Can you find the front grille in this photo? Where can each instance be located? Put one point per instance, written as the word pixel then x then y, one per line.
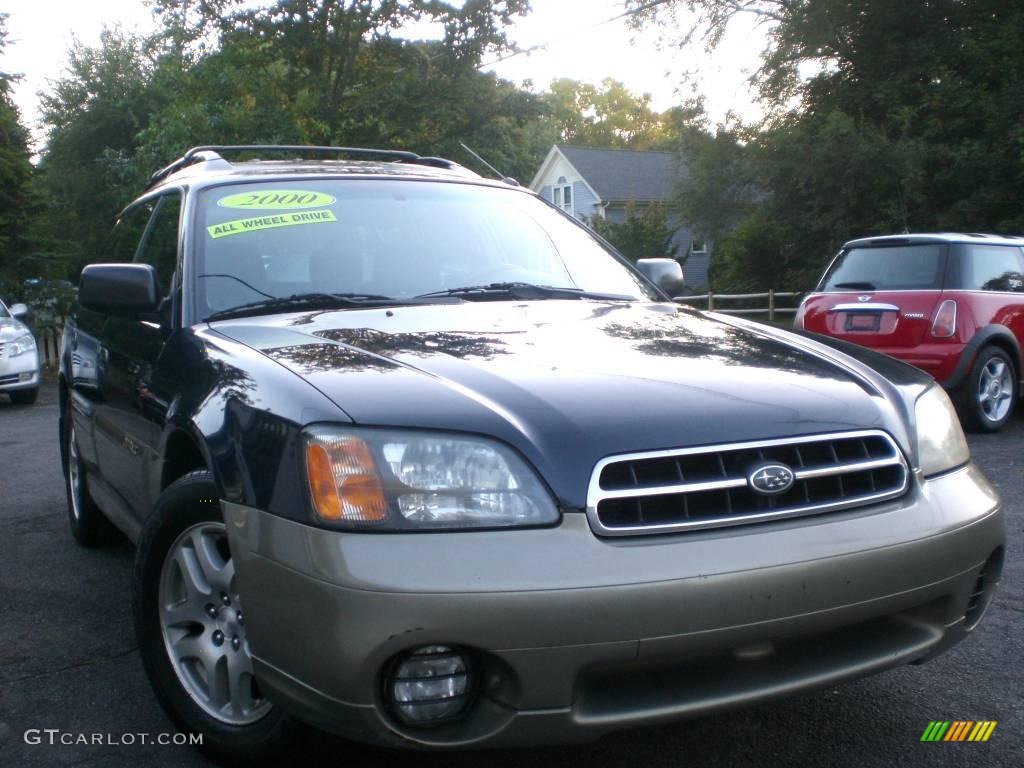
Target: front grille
pixel 707 487
pixel 9 379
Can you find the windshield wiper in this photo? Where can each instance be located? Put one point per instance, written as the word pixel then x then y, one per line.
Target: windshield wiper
pixel 524 291
pixel 861 286
pixel 308 301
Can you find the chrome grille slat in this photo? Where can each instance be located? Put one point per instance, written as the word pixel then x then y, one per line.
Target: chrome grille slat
pixel 706 487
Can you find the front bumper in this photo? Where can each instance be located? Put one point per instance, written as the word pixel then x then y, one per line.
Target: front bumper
pixel 21 372
pixel 575 635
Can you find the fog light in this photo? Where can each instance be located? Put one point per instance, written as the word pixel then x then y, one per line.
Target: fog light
pixel 430 684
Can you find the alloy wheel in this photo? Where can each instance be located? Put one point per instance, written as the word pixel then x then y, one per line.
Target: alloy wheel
pixel 995 389
pixel 203 626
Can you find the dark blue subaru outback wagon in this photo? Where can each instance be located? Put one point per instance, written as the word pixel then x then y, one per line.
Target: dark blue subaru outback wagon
pixel 412 456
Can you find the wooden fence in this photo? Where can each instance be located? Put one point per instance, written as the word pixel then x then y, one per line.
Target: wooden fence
pixel 48 334
pixel 712 302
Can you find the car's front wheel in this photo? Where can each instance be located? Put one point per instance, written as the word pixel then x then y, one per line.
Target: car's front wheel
pixel 990 393
pixel 24 396
pixel 191 627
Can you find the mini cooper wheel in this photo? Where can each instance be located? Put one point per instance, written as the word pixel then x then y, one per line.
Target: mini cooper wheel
pixel 991 391
pixel 191 627
pixel 88 524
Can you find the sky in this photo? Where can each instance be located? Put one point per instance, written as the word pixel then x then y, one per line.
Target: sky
pixel 576 44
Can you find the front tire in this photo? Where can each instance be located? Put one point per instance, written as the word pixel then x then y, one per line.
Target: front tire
pixel 191 630
pixel 990 393
pixel 24 396
pixel 88 524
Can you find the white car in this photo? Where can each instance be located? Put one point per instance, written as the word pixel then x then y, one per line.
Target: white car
pixel 19 357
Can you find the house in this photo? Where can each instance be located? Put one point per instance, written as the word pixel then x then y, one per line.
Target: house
pixel 588 182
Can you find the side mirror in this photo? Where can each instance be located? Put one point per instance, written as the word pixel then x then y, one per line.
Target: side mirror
pixel 128 290
pixel 19 311
pixel 667 274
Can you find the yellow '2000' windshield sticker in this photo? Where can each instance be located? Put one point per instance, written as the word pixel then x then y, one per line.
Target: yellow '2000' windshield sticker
pixel 276 200
pixel 240 226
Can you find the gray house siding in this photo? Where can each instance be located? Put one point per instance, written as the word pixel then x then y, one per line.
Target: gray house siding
pixel 616 214
pixel 584 203
pixel 695 271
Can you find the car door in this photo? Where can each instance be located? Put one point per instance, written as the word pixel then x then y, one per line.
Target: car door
pixel 135 397
pixel 89 355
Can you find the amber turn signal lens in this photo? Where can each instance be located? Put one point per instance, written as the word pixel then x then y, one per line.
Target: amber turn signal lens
pixel 343 481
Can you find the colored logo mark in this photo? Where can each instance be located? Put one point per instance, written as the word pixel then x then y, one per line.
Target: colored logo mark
pixel 958 730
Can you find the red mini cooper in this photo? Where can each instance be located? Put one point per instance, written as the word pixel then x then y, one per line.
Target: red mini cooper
pixel 951 304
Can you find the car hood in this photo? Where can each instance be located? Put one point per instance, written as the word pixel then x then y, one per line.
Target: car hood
pixel 569 382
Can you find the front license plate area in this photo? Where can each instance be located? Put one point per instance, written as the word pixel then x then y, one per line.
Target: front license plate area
pixel 866 322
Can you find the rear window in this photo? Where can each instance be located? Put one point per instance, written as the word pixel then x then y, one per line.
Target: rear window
pixel 889 268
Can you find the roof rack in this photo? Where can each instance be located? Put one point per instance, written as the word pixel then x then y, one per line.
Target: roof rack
pixel 214 152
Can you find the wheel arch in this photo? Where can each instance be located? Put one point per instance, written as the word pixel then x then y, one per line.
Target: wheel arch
pixel 182 452
pixel 991 335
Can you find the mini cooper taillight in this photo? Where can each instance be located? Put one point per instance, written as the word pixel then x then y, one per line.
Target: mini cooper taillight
pixel 944 324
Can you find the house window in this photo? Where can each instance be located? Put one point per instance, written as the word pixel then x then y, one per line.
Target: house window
pixel 698 246
pixel 562 197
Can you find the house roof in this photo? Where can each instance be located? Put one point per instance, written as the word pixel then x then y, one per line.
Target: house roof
pixel 626 174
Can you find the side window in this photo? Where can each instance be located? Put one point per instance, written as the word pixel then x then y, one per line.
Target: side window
pixel 993 268
pixel 161 247
pixel 130 227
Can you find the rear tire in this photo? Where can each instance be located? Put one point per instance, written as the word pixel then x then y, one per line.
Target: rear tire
pixel 24 396
pixel 989 395
pixel 88 524
pixel 190 630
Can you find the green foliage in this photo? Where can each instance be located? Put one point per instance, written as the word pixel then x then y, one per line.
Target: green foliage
pixel 910 122
pixel 15 172
pixel 290 72
pixel 87 173
pixel 609 115
pixel 645 234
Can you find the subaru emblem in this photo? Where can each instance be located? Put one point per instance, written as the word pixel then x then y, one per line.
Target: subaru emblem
pixel 770 479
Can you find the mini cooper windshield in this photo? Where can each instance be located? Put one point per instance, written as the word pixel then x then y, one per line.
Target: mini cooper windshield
pixel 269 246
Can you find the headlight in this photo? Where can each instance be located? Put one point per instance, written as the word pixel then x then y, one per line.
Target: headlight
pixel 23 344
pixel 940 440
pixel 398 480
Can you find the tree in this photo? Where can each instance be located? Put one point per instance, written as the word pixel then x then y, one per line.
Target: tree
pixel 15 173
pixel 609 115
pixel 95 114
pixel 292 71
pixel 910 120
pixel 645 233
pixel 318 47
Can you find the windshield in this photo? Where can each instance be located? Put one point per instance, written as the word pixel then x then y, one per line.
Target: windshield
pixel 384 238
pixel 3 310
pixel 904 267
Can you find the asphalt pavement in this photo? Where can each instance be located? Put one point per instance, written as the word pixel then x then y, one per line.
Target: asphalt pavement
pixel 68 660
